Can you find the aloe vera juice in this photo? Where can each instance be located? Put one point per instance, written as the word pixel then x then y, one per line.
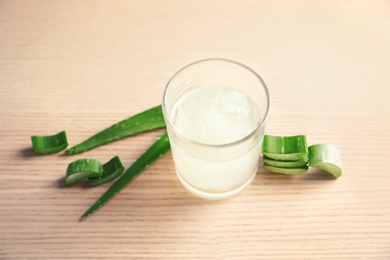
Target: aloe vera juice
pixel 216 163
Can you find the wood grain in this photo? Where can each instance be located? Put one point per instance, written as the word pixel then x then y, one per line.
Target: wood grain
pixel 80 66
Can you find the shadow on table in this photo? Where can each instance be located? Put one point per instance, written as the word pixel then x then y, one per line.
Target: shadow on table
pixel 264 175
pixel 27 152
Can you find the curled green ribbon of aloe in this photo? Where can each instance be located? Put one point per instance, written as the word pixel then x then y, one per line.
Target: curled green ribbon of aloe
pixel 286 155
pixel 49 144
pixel 81 169
pixel 93 170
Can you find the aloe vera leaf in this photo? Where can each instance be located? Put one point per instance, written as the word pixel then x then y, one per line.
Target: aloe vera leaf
pixel 285 164
pixel 288 171
pixel 49 144
pixel 111 170
pixel 285 148
pixel 325 157
pixel 147 120
pixel 158 149
pixel 81 169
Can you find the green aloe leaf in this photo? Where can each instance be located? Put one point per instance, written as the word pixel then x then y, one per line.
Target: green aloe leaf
pixel 144 121
pixel 159 148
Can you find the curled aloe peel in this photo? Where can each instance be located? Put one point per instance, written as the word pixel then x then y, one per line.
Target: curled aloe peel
pixel 325 157
pixel 49 144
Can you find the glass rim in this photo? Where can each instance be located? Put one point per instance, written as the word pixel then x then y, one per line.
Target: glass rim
pixel 236 142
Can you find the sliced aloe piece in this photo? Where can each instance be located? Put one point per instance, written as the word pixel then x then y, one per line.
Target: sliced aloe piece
pixel 288 171
pixel 285 164
pixel 325 157
pixel 111 170
pixel 285 148
pixel 49 144
pixel 82 169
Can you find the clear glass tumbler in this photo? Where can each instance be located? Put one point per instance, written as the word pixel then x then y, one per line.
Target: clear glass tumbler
pixel 208 167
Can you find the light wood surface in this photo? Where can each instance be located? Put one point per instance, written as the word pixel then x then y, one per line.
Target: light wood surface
pixel 81 66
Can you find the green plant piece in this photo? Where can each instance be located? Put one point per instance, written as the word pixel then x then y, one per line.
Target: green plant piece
pixel 81 169
pixel 285 164
pixel 144 121
pixel 325 157
pixel 49 144
pixel 160 147
pixel 285 148
pixel 111 170
pixel 288 171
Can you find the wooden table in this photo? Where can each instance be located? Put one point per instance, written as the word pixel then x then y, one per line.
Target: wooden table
pixel 81 66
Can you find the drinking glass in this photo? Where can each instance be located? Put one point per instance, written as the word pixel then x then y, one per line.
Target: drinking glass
pixel 207 169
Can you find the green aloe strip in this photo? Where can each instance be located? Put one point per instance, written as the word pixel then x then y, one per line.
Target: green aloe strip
pixel 49 144
pixel 81 169
pixel 325 157
pixel 160 147
pixel 285 148
pixel 111 170
pixel 144 121
pixel 289 171
pixel 285 164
